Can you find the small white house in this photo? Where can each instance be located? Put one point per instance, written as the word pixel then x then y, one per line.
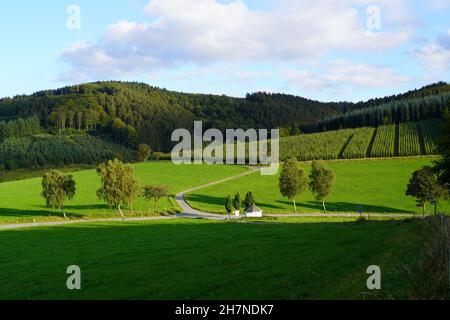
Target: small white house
pixel 253 212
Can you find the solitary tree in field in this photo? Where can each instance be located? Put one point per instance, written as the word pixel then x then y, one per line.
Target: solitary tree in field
pixel 155 193
pixel 322 180
pixel 143 152
pixel 119 186
pixel 249 200
pixel 57 188
pixel 293 181
pixel 237 201
pixel 425 187
pixel 229 204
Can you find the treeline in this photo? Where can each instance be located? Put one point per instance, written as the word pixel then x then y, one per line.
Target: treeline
pixel 60 150
pixel 394 112
pixel 135 113
pixel 19 128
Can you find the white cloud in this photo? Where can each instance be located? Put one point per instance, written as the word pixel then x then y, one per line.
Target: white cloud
pixel 200 32
pixel 435 56
pixel 436 4
pixel 342 75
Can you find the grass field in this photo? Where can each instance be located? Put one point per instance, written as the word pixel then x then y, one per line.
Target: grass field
pixel 378 185
pixel 20 201
pixel 198 259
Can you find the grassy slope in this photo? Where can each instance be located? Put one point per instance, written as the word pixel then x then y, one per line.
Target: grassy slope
pixel 22 174
pixel 379 185
pixel 191 259
pixel 20 201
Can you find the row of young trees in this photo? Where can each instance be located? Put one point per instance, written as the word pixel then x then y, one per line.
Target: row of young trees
pixel 119 187
pixel 293 181
pixel 236 202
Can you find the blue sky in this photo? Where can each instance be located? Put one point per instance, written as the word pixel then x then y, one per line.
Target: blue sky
pixel 323 49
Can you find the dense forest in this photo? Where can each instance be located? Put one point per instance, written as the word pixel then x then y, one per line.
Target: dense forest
pixel 59 150
pixel 19 128
pixel 393 112
pixel 133 113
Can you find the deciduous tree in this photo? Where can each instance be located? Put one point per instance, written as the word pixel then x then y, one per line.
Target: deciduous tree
pixel 322 180
pixel 57 188
pixel 293 181
pixel 424 187
pixel 155 193
pixel 119 186
pixel 143 152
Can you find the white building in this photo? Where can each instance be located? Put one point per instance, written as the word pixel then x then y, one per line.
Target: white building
pixel 253 212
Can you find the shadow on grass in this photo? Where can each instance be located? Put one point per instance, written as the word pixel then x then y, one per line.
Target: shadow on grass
pixel 18 213
pixel 220 201
pixel 344 207
pixel 317 206
pixel 88 207
pixel 80 207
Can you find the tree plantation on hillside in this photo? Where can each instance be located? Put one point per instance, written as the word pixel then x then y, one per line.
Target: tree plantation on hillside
pixel 405 139
pixel 358 146
pixel 42 151
pixel 430 130
pixel 384 143
pixel 326 146
pixel 409 139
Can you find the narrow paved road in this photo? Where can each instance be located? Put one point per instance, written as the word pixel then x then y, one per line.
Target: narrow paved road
pixel 189 212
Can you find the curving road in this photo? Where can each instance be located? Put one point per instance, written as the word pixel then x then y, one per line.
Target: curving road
pixel 189 212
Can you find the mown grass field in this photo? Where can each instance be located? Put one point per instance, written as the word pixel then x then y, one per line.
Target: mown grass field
pixel 20 201
pixel 378 185
pixel 198 259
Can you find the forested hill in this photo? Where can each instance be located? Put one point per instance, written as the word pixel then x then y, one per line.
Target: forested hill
pixel 135 113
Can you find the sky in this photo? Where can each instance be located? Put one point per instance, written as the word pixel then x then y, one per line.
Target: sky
pixel 329 50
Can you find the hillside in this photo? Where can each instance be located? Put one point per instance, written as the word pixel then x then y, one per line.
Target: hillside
pixel 404 139
pixel 133 113
pixel 56 151
pixel 393 112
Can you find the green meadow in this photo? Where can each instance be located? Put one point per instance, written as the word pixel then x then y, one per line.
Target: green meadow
pixel 200 259
pixel 20 201
pixel 379 186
